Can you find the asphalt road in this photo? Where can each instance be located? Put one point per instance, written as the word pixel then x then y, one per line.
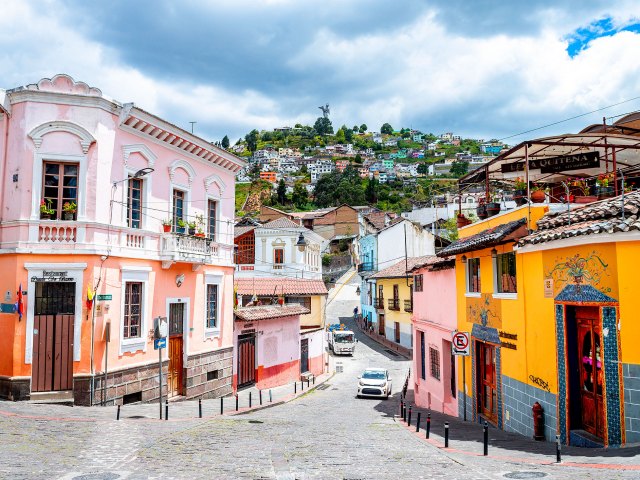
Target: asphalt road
pixel 325 434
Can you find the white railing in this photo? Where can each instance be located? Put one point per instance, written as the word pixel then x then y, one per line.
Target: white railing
pixel 58 233
pixel 135 240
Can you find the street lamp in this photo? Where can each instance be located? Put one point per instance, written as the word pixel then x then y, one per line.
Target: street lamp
pixel 358 291
pixel 301 243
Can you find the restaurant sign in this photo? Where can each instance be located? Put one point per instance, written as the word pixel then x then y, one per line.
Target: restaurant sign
pixel 51 276
pixel 556 164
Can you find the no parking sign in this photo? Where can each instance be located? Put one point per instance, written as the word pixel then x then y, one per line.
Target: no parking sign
pixel 460 343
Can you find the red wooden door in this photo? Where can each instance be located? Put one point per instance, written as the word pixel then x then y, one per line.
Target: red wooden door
pixel 52 359
pixel 381 327
pixel 176 367
pixel 246 359
pixel 487 392
pixel 396 329
pixel 591 373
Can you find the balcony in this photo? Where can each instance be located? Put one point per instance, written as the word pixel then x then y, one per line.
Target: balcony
pixel 408 306
pixel 365 267
pixel 177 247
pixel 394 304
pixel 379 304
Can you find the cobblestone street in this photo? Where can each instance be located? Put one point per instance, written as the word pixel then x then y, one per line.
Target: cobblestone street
pixel 326 433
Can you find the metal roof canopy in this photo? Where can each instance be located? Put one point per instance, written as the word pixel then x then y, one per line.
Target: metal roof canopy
pixel 621 151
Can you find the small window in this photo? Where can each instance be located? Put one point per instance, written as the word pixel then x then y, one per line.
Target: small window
pixel 304 301
pixel 212 306
pixel 211 218
pixel 133 310
pixel 59 187
pixel 506 273
pixel 178 207
pixel 473 275
pixel 213 375
pixel 417 283
pixel 278 258
pixel 134 203
pixel 132 398
pixel 434 360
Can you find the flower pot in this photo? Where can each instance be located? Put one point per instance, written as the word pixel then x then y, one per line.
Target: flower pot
pixel 200 235
pixel 45 216
pixel 605 192
pixel 493 208
pixel 537 196
pixel 520 197
pixel 192 231
pixel 166 228
pixel 586 198
pixel 462 221
pixel 481 211
pixel 179 229
pixel 69 215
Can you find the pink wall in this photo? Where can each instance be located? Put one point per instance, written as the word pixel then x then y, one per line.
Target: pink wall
pixel 434 314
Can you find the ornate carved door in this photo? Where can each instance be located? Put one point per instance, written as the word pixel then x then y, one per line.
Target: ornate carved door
pixel 590 363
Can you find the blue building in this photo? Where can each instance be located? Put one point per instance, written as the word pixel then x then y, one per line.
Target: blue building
pixel 368 266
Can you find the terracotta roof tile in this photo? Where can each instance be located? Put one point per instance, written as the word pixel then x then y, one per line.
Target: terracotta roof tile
pixel 279 286
pixel 249 314
pixel 282 222
pixel 483 239
pixel 237 231
pixel 402 268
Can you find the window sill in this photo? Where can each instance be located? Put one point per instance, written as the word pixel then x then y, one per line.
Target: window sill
pixel 505 296
pixel 473 294
pixel 133 345
pixel 212 333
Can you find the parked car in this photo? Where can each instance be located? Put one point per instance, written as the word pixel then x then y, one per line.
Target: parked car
pixel 374 382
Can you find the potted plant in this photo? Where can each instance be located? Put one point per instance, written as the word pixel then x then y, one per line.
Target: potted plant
pixel 192 228
pixel 180 226
pixel 580 185
pixel 538 194
pixel 166 225
pixel 69 210
pixel 520 192
pixel 481 209
pixel 200 233
pixel 604 184
pixel 462 221
pixel 46 212
pixel 493 207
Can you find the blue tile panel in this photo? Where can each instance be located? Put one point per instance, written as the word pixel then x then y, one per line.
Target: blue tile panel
pixel 499 384
pixel 474 414
pixel 469 401
pixel 582 293
pixel 485 334
pixel 631 375
pixel 562 375
pixel 612 375
pixel 518 398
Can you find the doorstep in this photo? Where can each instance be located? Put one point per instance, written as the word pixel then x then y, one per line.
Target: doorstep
pixel 63 397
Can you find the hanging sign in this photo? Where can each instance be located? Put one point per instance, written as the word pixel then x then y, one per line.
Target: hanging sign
pixel 556 164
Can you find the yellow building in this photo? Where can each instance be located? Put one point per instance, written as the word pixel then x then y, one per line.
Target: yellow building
pixel 545 311
pixel 394 301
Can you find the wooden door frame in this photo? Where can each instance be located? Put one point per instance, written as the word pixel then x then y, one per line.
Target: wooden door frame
pixel 186 305
pixel 306 339
pixel 479 357
pixel 246 337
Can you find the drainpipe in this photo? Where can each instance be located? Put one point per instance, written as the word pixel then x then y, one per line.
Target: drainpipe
pixel 3 164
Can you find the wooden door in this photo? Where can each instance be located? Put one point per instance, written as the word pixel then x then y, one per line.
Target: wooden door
pixel 52 359
pixel 176 350
pixel 304 355
pixel 396 331
pixel 381 327
pixel 590 368
pixel 487 393
pixel 246 359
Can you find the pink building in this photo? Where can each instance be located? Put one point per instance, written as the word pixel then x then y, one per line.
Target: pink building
pixel 87 183
pixel 434 320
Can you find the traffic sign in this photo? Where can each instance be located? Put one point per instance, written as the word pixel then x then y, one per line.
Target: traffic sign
pixel 460 343
pixel 160 343
pixel 102 298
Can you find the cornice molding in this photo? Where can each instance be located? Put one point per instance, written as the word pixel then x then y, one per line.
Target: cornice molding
pixel 37 134
pixel 140 148
pixel 185 166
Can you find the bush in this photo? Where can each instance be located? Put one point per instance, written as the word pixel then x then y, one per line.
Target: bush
pixel 326 260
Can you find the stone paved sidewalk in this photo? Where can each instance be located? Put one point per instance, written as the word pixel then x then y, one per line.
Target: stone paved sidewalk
pixel 178 410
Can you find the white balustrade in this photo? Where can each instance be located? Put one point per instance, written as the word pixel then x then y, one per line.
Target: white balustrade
pixel 58 233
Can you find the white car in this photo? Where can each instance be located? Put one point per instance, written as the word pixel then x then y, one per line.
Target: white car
pixel 374 382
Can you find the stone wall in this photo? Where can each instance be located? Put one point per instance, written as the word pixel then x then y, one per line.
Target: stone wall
pixel 217 366
pixel 518 400
pixel 631 374
pixel 15 388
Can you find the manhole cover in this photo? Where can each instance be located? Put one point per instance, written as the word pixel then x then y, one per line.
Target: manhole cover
pixel 137 417
pixel 525 475
pixel 255 421
pixel 97 476
pixel 392 353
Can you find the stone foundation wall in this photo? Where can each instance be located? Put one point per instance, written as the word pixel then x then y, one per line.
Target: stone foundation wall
pixel 519 398
pixel 217 366
pixel 631 373
pixel 15 388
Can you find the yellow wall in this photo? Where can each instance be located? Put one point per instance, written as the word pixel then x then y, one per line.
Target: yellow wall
pixel 404 293
pixel 316 317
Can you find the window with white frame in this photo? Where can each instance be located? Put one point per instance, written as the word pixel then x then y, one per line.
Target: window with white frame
pixel 132 317
pixel 473 275
pixel 211 219
pixel 134 203
pixel 505 271
pixel 134 298
pixel 212 306
pixel 178 207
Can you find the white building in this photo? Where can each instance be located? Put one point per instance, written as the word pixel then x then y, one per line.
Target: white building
pixel 319 168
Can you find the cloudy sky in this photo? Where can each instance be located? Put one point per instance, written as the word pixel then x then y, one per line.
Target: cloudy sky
pixel 479 68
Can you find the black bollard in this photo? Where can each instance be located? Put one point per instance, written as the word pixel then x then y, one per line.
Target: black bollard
pixel 249 399
pixel 485 430
pixel 308 382
pixel 260 395
pixel 270 397
pixel 418 423
pixel 302 385
pixel 166 409
pixel 118 414
pixel 200 407
pixel 295 387
pixel 558 455
pixel 409 416
pixel 400 408
pixel 236 402
pixel 221 405
pixel 428 424
pixel 446 434
pixel 314 379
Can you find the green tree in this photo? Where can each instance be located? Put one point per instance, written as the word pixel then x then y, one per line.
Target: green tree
pixel 459 168
pixel 225 142
pixel 371 191
pixel 423 169
pixel 252 140
pixel 323 126
pixel 304 170
pixel 281 192
pixel 387 129
pixel 363 128
pixel 340 136
pixel 300 196
pixel 355 128
pixel 358 159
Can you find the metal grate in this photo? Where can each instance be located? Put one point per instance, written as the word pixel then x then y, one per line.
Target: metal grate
pixel 55 298
pixel 176 315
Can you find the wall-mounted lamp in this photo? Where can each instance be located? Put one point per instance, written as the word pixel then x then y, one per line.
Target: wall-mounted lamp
pixel 301 243
pixel 494 253
pixel 463 259
pixel 358 291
